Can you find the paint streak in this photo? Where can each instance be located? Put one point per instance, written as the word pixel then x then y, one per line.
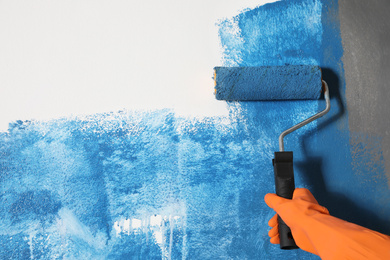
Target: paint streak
pixel 151 185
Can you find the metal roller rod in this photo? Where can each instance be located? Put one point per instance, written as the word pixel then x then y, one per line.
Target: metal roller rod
pixel 310 119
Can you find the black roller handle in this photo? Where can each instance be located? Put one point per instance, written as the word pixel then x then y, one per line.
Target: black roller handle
pixel 285 186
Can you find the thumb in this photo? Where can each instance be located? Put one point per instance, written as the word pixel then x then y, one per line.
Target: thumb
pixel 273 200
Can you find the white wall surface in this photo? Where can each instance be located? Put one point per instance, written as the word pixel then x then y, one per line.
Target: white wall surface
pixel 77 57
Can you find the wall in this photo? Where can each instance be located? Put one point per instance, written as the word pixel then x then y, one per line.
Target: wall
pixel 366 62
pixel 158 185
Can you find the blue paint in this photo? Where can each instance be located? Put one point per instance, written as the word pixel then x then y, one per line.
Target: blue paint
pixel 14 247
pixel 200 177
pixel 32 204
pixel 285 32
pixel 149 185
pixel 267 83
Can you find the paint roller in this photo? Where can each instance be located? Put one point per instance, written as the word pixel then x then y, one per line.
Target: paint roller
pixel 290 82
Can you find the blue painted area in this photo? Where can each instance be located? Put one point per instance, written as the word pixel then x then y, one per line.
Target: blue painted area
pixel 292 82
pixel 171 186
pixel 32 204
pixel 151 185
pixel 285 32
pixel 14 247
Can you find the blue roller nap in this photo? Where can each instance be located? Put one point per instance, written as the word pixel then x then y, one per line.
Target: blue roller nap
pixel 267 83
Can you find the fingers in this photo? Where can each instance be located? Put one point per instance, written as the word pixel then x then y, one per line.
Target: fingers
pixel 273 221
pixel 273 200
pixel 275 240
pixel 274 232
